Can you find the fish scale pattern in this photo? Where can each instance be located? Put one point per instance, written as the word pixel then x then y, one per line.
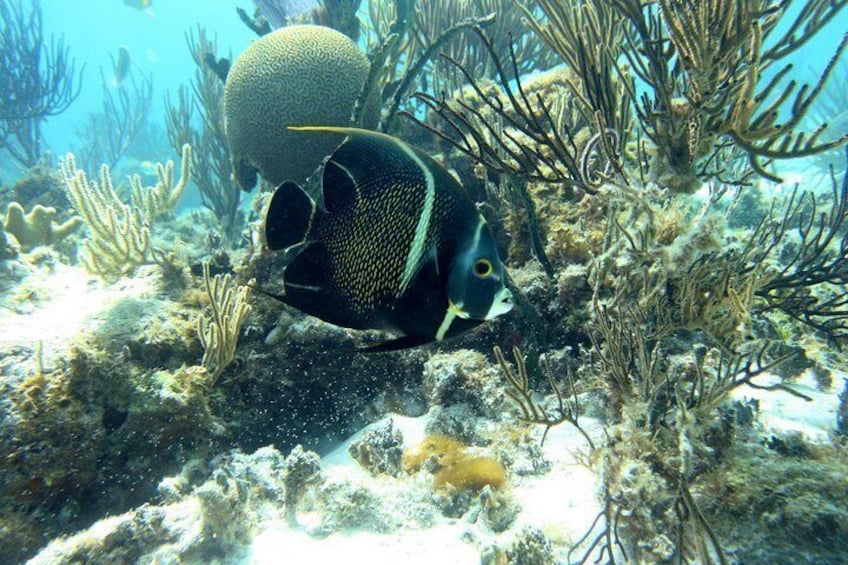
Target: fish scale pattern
pixel 370 242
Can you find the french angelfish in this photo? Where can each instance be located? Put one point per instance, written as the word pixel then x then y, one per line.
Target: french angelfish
pixel 396 244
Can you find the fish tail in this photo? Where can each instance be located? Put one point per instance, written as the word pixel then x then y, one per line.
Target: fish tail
pixel 289 218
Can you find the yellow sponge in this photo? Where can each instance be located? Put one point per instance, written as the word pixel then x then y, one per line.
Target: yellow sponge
pixel 454 466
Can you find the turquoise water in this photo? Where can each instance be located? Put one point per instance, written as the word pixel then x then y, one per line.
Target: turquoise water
pixel 155 38
pixel 95 30
pixel 275 346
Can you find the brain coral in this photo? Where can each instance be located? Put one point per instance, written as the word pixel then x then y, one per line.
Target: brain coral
pixel 297 75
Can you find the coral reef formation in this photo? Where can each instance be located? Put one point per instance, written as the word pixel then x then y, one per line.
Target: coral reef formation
pixel 296 76
pixel 206 512
pixel 701 124
pixel 673 388
pixel 39 185
pixel 120 233
pixel 784 492
pixel 380 450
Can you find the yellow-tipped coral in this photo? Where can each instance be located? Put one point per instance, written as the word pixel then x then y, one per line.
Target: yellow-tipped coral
pixel 219 332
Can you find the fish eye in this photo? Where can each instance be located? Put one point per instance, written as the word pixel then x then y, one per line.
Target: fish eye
pixel 482 268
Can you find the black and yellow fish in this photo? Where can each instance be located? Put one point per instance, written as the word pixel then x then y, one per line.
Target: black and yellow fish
pixel 395 244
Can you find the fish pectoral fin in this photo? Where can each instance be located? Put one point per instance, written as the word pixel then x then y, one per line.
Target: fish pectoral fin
pixel 260 290
pixel 292 251
pixel 286 285
pixel 403 342
pixel 307 269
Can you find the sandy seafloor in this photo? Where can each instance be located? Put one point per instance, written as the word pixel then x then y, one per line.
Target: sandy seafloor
pixel 562 502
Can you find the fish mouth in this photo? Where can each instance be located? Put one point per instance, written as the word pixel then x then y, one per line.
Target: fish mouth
pixel 502 304
pixel 458 310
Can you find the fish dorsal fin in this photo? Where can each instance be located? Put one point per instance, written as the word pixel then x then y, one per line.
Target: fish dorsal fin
pixel 289 217
pixel 367 156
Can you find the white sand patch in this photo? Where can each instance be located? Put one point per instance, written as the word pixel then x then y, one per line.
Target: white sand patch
pixel 781 411
pixel 562 503
pixel 71 300
pixel 440 544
